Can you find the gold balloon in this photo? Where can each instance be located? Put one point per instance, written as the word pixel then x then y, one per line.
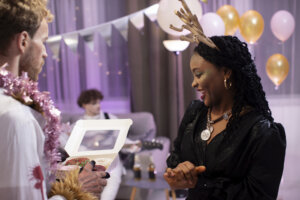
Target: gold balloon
pixel 251 26
pixel 277 68
pixel 230 17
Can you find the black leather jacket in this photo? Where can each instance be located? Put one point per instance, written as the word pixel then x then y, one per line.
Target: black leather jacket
pixel 246 163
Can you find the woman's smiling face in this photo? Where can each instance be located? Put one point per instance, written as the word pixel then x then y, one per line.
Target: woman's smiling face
pixel 207 79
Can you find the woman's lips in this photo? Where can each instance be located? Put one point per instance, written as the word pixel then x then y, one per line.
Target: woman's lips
pixel 202 95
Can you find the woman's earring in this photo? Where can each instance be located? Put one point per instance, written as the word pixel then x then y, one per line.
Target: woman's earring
pixel 227 84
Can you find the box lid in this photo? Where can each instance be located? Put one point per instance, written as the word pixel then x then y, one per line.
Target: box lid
pixel 114 130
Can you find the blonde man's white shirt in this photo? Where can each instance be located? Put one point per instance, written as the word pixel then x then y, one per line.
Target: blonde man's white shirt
pixel 22 149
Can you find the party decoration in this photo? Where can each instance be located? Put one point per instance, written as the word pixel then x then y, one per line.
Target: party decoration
pixel 282 25
pixel 231 18
pixel 191 24
pixel 251 26
pixel 104 29
pixel 165 14
pixel 212 24
pixel 26 91
pixel 277 68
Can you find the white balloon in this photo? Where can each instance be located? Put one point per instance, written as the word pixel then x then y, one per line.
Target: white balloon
pixel 166 15
pixel 282 24
pixel 212 24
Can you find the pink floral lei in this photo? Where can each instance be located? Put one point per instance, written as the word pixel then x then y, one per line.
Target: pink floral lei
pixel 26 91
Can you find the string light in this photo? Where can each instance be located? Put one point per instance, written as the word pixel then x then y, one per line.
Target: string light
pixel 107 73
pixel 120 73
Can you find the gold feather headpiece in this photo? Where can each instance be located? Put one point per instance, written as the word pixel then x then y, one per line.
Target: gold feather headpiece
pixel 192 24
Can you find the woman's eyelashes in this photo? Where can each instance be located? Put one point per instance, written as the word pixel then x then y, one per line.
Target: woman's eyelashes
pixel 198 74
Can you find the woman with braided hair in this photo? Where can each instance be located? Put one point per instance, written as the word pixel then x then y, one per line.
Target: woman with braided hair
pixel 228 146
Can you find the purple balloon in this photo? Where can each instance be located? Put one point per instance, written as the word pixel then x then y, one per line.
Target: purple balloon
pixel 282 24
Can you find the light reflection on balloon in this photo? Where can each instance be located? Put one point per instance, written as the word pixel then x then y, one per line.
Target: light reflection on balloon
pixel 282 25
pixel 251 26
pixel 277 68
pixel 230 16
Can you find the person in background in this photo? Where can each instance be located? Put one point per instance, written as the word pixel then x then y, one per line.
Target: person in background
pixel 90 101
pixel 28 148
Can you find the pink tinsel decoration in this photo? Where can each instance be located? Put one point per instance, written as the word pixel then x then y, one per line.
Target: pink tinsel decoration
pixel 26 91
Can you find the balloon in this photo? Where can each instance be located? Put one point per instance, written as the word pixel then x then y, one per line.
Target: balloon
pixel 166 16
pixel 231 18
pixel 277 68
pixel 282 25
pixel 251 26
pixel 212 24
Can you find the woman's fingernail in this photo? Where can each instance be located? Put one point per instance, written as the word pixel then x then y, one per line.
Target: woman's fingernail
pixel 107 175
pixel 93 163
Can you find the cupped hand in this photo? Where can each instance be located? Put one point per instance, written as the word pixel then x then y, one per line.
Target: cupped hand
pixel 185 175
pixel 92 181
pixel 188 171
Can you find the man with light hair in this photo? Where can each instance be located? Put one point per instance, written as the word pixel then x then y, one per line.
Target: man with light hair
pixel 29 122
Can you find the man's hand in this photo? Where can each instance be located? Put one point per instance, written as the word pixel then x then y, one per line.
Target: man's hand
pixel 92 181
pixel 185 175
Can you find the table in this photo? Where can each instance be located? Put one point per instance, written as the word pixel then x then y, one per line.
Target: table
pixel 145 183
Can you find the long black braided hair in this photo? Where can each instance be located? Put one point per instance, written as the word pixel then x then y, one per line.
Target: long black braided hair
pixel 233 54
